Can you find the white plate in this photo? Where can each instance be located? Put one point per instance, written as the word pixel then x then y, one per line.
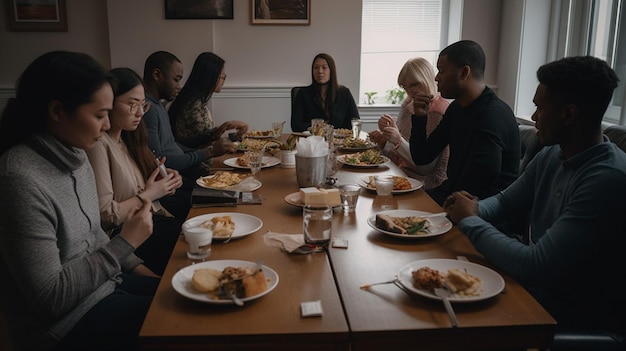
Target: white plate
pixel 245 224
pixel 268 161
pixel 182 280
pixel 362 148
pixel 415 184
pixel 295 200
pixel 342 159
pixel 271 135
pixel 247 184
pixel 438 225
pixel 491 282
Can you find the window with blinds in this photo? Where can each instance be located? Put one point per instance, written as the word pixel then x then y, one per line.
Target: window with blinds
pixel 392 32
pixel 607 30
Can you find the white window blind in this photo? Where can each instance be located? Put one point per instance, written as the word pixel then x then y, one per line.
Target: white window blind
pixel 392 32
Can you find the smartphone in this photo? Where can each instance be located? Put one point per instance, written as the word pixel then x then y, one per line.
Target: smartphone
pixel 162 169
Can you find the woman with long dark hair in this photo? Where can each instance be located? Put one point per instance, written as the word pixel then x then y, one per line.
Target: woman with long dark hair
pixel 190 117
pixel 324 98
pixel 65 284
pixel 127 171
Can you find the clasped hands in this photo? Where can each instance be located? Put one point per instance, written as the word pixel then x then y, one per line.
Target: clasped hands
pixel 459 205
pixel 387 132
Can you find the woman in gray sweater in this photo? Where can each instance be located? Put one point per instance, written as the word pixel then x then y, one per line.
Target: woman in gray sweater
pixel 65 285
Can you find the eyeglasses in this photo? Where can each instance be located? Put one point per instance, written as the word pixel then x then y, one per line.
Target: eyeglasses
pixel 134 107
pixel 222 77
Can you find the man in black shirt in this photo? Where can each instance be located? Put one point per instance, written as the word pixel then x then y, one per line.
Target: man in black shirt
pixel 480 129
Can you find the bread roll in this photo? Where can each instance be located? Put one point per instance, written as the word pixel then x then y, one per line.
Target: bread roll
pixel 205 279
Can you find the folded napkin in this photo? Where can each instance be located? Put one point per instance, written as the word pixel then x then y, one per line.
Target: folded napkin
pixel 292 243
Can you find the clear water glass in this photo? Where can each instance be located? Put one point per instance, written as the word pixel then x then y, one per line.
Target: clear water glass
pixel 356 127
pixel 255 160
pixel 317 224
pixel 349 195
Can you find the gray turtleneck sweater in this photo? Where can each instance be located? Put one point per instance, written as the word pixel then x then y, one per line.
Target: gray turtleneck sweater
pixel 56 262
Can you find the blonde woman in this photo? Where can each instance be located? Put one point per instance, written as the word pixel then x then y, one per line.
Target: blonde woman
pixel 417 78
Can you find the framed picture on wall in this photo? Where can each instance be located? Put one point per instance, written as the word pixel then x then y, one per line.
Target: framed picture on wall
pixel 36 15
pixel 198 9
pixel 273 12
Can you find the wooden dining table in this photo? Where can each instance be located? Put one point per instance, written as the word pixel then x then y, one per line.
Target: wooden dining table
pixel 382 316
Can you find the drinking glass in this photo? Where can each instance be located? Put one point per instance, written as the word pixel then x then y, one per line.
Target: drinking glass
pixel 356 128
pixel 255 160
pixel 198 241
pixel 317 224
pixel 277 128
pixel 349 195
pixel 317 125
pixel 384 185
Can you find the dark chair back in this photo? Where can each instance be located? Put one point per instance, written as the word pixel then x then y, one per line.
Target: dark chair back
pixel 530 145
pixel 294 93
pixel 617 135
pixel 587 341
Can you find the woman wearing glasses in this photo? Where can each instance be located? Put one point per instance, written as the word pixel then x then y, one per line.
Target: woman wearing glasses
pixel 417 78
pixel 190 117
pixel 127 172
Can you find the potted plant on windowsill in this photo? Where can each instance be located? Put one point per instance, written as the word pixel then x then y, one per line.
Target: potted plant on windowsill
pixel 395 95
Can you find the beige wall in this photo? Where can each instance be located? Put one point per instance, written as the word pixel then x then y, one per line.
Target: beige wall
pixel 262 62
pixel 87 32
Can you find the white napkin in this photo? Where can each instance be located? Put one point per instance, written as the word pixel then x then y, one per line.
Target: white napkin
pixel 292 243
pixel 313 146
pixel 288 242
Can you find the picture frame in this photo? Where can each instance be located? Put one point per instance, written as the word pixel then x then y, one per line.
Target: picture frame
pixel 199 9
pixel 36 15
pixel 280 12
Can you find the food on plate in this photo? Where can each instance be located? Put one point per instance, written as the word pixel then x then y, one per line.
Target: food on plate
pixel 427 278
pixel 223 179
pixel 312 195
pixel 458 281
pixel 463 283
pixel 206 279
pixel 399 183
pixel 257 144
pixel 412 225
pixel 259 133
pixel 351 143
pixel 369 157
pixel 222 226
pixel 343 132
pixel 241 281
pixel 243 160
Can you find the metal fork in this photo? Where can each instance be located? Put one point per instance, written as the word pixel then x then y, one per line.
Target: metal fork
pixel 228 239
pixel 445 294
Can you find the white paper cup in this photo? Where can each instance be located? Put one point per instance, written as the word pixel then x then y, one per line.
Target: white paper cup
pixel 198 241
